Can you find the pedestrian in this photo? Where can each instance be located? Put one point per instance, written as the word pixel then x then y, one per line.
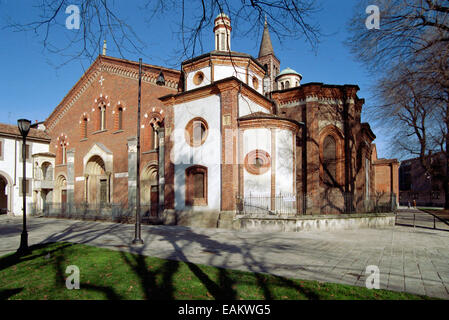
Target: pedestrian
pixel 414 203
pixel 408 204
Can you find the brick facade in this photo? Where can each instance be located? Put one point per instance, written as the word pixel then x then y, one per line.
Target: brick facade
pixel 98 120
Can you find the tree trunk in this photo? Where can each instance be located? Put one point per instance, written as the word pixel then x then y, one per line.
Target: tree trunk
pixel 446 160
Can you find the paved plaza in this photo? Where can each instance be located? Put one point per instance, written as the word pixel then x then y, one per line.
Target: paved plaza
pixel 414 260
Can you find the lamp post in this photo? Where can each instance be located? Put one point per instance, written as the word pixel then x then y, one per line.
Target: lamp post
pixel 24 128
pixel 160 81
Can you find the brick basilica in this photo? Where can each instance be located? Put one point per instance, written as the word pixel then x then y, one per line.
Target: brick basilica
pixel 226 133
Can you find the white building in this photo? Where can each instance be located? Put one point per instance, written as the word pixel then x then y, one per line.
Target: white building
pixel 11 166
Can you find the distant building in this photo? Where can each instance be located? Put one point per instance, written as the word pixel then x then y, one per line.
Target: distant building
pixel 11 166
pixel 416 184
pixel 386 177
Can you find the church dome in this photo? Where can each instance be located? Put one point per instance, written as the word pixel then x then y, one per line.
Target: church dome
pixel 288 78
pixel 289 71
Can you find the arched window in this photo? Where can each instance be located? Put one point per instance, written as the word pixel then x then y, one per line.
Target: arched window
pixel 196 132
pixel 64 154
pixel 330 160
pixel 155 144
pixel 223 40
pixel 120 118
pixel 282 86
pixel 47 171
pixel 196 186
pixel 265 66
pixel 61 157
pixel 84 128
pixel 287 84
pixel 102 117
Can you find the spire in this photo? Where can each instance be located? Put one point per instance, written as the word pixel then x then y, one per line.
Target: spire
pixel 265 46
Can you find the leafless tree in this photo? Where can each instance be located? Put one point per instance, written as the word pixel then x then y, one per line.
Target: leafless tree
pixel 101 19
pixel 408 57
pixel 407 29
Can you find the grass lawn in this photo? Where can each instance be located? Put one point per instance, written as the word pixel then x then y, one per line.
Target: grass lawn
pixel 109 274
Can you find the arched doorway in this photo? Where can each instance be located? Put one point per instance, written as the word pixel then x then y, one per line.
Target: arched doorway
pixel 3 195
pixel 6 193
pixel 149 190
pixel 61 192
pixel 97 183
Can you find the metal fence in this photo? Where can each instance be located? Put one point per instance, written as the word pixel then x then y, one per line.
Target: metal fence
pixel 282 204
pixel 350 203
pixel 291 204
pixel 84 211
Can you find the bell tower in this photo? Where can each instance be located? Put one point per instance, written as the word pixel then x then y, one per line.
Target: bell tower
pixel 222 30
pixel 268 60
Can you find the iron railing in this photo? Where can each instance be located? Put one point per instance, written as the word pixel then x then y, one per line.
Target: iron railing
pixel 290 204
pixel 114 212
pixel 254 204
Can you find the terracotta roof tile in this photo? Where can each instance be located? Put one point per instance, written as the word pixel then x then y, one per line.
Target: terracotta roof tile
pixel 10 129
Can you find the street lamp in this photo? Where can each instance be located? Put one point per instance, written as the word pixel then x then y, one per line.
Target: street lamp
pixel 160 81
pixel 24 128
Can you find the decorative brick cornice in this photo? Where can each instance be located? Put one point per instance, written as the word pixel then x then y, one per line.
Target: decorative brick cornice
pixel 123 68
pixel 311 99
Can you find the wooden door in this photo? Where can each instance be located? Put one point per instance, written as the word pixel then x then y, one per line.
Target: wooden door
pixel 154 200
pixel 63 200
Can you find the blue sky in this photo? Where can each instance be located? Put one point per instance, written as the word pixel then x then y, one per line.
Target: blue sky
pixel 31 86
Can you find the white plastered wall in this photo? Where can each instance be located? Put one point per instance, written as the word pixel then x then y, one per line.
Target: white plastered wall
pixel 190 85
pixel 208 154
pixel 251 74
pixel 226 71
pixel 284 162
pixel 257 184
pixel 11 167
pixel 247 106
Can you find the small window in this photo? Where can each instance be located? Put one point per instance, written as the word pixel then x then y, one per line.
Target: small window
pixel 120 119
pixel 255 83
pixel 223 40
pixel 196 132
pixel 84 128
pixel 287 84
pixel 198 78
pixel 257 162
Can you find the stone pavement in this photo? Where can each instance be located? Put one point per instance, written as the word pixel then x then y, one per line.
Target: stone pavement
pixel 411 260
pixel 410 217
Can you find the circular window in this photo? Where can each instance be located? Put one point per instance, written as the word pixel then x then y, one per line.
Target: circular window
pixel 198 78
pixel 257 162
pixel 196 132
pixel 255 83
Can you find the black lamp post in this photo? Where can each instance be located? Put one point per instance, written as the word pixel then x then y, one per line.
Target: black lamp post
pixel 160 81
pixel 24 128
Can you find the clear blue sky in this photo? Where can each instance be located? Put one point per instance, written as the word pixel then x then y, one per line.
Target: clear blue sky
pixel 31 87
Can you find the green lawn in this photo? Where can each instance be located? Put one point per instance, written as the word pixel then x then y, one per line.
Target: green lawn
pixel 109 274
